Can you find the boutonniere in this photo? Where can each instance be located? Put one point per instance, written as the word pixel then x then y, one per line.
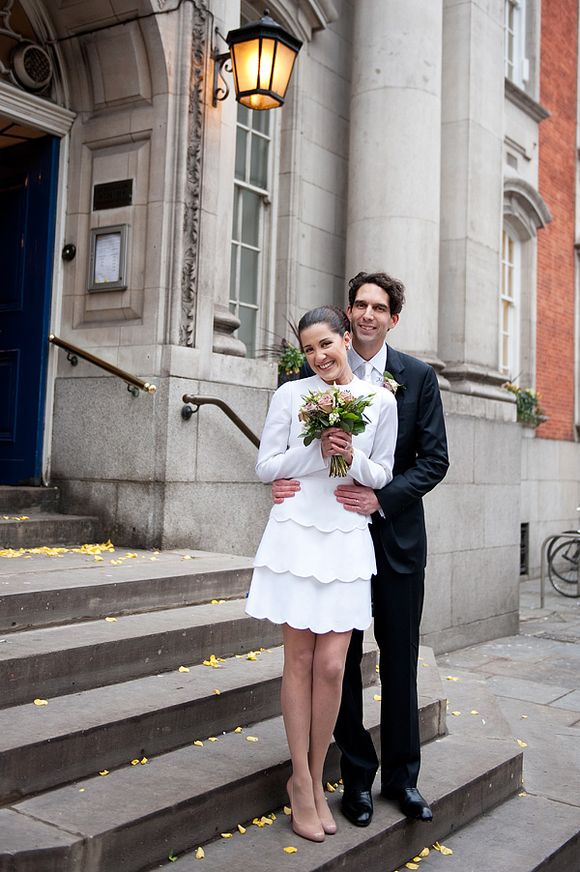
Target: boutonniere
pixel 391 383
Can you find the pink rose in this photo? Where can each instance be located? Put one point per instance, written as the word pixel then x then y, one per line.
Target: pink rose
pixel 326 403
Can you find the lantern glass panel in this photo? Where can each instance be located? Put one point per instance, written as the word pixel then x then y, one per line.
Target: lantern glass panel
pixel 245 56
pixel 266 62
pixel 285 58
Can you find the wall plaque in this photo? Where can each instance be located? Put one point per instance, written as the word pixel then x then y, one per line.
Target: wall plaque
pixel 113 195
pixel 108 258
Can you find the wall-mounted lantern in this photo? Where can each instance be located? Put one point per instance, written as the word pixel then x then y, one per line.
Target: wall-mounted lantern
pixel 262 55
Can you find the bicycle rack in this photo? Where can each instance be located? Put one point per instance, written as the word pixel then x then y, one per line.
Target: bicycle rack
pixel 547 541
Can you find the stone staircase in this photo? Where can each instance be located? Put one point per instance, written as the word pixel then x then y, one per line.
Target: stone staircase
pixel 120 749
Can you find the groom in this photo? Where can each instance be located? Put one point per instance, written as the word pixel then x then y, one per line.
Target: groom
pixel 398 531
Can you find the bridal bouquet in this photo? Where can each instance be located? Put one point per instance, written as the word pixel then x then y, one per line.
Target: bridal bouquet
pixel 333 408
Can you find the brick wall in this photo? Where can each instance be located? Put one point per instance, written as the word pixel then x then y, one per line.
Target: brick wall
pixel 557 183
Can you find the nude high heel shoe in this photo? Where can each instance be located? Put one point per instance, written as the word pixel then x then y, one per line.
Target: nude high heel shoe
pixel 305 832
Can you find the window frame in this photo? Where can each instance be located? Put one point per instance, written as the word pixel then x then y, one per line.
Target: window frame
pixel 512 268
pixel 517 64
pixel 267 232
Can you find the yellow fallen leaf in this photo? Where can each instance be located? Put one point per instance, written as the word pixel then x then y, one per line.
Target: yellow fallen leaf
pixel 442 849
pixel 111 620
pixel 199 854
pixel 456 714
pixel 251 655
pixel 241 829
pixel 377 668
pixel 377 697
pixel 425 664
pixel 216 691
pixel 266 821
pixel 524 717
pixel 82 789
pixel 156 552
pixel 186 557
pixel 290 850
pixel 115 562
pixel 134 762
pixel 183 669
pixel 473 712
pixel 452 678
pixel 287 810
pixel 40 702
pixel 214 602
pixel 411 865
pixel 172 857
pixel 416 859
pixel 212 739
pixel 198 744
pixel 521 743
pixel 151 558
pixel 424 853
pixel 143 761
pixel 251 738
pixel 104 772
pixel 522 793
pixel 98 557
pixel 273 816
pixel 226 835
pixel 330 787
pixel 238 730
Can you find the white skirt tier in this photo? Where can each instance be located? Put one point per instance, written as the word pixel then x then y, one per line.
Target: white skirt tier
pixel 306 604
pixel 313 579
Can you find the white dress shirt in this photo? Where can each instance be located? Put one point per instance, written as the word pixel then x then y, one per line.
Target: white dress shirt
pixel 371 370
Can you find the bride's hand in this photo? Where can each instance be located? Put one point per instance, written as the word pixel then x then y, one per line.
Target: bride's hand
pixel 336 441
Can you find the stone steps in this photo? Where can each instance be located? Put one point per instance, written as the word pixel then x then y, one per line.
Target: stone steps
pixel 462 780
pixel 16 499
pixel 61 660
pixel 46 528
pixel 527 834
pixel 76 735
pixel 38 593
pixel 137 815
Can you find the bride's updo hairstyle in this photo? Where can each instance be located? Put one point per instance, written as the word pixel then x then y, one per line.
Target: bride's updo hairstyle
pixel 331 315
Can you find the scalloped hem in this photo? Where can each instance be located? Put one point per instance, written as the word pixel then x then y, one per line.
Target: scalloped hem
pixel 306 552
pixel 319 630
pixel 307 604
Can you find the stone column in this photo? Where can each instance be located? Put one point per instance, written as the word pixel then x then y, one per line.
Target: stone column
pixel 471 194
pixel 394 160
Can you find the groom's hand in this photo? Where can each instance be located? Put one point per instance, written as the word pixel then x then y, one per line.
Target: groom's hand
pixel 357 498
pixel 283 488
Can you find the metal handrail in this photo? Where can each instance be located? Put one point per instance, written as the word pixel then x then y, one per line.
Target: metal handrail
pixel 75 352
pixel 187 411
pixel 543 552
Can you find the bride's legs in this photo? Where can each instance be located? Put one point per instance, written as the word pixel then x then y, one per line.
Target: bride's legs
pixel 296 698
pixel 328 668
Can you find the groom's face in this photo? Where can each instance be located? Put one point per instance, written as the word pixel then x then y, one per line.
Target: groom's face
pixel 371 319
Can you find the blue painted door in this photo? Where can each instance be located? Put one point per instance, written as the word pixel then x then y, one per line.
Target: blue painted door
pixel 28 185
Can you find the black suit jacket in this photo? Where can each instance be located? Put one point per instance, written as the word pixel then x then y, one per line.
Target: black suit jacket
pixel 421 461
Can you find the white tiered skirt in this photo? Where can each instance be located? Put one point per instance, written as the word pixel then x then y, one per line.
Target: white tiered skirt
pixel 313 579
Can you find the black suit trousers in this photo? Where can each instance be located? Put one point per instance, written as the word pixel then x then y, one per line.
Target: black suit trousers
pixel 397 608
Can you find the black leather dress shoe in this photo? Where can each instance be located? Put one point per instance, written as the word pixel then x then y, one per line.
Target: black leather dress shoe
pixel 411 803
pixel 357 807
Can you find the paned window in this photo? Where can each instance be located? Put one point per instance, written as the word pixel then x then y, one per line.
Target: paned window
pixel 508 304
pixel 516 67
pixel 250 230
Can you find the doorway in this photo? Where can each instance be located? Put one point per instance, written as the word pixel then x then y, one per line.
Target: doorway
pixel 28 196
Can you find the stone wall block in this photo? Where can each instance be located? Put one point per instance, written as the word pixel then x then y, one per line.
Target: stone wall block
pixel 484 584
pixel 454 515
pixel 216 516
pixel 223 452
pixel 461 440
pixel 502 516
pixel 139 518
pixel 437 608
pixel 101 432
pixel 497 454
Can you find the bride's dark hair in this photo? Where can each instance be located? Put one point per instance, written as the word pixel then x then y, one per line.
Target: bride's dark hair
pixel 331 315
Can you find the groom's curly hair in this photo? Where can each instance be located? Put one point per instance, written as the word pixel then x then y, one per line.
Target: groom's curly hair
pixel 394 289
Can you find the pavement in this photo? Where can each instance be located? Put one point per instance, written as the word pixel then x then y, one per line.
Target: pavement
pixel 535 677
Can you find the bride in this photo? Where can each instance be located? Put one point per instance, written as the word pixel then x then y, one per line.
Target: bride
pixel 313 567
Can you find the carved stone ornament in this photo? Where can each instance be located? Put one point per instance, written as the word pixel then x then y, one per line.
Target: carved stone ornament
pixel 193 174
pixel 24 63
